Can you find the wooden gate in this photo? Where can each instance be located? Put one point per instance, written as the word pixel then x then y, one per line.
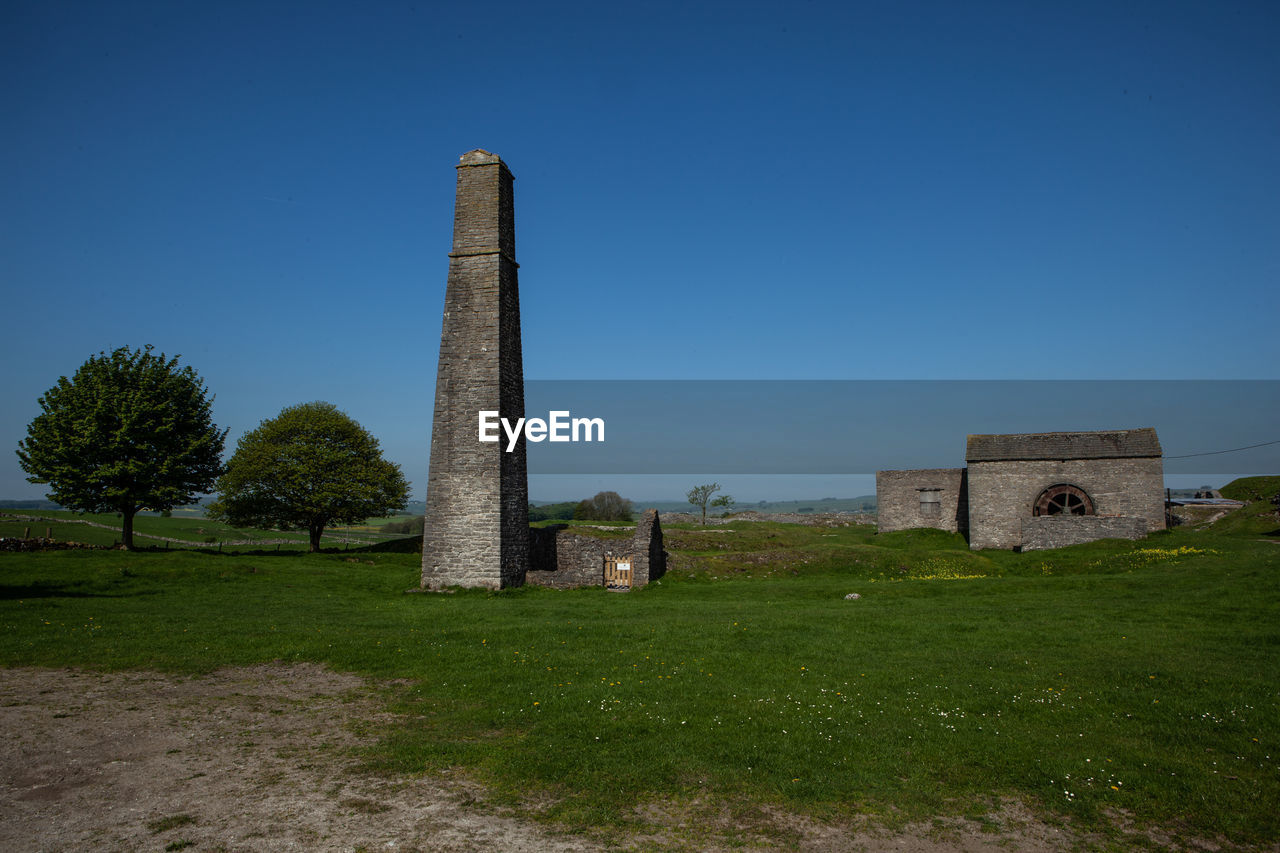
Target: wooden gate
pixel 617 573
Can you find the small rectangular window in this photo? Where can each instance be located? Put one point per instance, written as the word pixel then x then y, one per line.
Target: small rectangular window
pixel 930 502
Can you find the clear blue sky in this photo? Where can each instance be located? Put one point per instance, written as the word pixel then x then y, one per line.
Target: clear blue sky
pixel 895 190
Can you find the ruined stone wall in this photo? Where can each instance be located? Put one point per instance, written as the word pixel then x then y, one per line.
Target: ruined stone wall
pixel 1059 531
pixel 1002 494
pixel 563 558
pixel 651 558
pixel 560 558
pixel 477 516
pixel 899 505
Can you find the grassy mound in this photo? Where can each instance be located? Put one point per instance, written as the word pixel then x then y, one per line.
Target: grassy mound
pixel 1250 489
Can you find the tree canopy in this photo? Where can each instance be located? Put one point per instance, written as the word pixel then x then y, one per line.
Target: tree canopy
pixel 725 502
pixel 700 495
pixel 307 468
pixel 129 431
pixel 605 506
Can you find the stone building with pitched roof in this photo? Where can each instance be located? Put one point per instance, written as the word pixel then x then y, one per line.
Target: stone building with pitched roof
pixel 1033 491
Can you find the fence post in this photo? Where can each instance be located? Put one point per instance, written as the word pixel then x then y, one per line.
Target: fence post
pixel 48 533
pixel 26 534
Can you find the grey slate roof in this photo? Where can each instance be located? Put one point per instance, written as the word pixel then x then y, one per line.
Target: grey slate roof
pixel 1110 444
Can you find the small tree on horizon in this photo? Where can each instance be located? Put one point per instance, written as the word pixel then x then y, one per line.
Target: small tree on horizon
pixel 699 496
pixel 724 501
pixel 129 431
pixel 305 469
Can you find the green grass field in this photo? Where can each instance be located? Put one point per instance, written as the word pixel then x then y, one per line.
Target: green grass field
pixel 1117 680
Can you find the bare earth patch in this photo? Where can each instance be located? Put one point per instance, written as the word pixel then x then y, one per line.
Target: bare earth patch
pixel 261 758
pixel 244 759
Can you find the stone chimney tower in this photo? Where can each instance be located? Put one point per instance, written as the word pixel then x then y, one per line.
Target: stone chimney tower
pixel 477 517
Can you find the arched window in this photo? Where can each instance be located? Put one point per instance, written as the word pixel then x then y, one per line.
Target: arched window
pixel 1063 499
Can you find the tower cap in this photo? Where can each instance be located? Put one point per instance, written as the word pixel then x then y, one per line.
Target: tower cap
pixel 478 157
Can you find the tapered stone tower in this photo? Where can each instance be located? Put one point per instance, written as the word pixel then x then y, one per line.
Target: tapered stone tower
pixel 477 517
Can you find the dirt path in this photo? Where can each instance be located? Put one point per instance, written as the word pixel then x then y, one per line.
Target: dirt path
pixel 259 759
pixel 247 759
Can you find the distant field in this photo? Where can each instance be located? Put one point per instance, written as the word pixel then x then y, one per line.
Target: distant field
pixel 1119 687
pixel 863 503
pixel 152 530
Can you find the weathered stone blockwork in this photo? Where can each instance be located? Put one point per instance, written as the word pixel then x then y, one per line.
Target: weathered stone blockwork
pixel 563 559
pixel 1059 531
pixel 477 516
pixel 1114 480
pixel 903 499
pixel 1002 494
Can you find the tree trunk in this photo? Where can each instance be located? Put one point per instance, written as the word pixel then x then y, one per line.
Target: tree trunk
pixel 126 532
pixel 315 530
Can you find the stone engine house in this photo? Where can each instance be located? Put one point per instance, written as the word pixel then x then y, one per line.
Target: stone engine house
pixel 1035 491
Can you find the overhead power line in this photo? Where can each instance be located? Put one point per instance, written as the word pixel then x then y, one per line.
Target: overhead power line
pixel 1232 450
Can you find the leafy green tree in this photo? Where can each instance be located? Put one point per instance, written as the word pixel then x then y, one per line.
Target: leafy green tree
pixel 725 501
pixel 700 495
pixel 310 466
pixel 605 506
pixel 129 431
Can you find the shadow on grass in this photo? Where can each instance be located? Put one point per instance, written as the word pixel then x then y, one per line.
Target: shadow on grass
pixel 45 589
pixel 152 550
pixel 408 545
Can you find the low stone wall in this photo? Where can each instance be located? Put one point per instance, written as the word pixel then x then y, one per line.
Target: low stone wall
pixel 1058 531
pixel 562 558
pixel 14 543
